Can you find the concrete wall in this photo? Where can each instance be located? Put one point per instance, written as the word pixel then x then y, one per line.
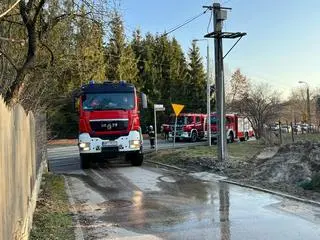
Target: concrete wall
pixel 20 171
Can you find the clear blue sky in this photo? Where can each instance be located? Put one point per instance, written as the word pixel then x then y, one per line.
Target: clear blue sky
pixel 283 42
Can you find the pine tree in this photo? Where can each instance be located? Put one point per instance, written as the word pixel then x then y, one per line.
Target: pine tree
pixel 115 47
pixel 89 50
pixel 138 48
pixel 127 69
pixel 121 62
pixel 178 72
pixel 196 82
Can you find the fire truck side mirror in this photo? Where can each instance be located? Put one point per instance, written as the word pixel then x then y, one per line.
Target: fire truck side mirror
pixel 144 100
pixel 75 101
pixel 75 104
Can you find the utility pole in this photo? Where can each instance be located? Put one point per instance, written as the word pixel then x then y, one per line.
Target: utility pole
pixel 208 96
pixel 308 106
pixel 208 90
pixel 220 14
pixel 308 102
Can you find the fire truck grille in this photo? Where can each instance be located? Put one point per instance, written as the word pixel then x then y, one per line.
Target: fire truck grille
pixel 104 125
pixel 179 128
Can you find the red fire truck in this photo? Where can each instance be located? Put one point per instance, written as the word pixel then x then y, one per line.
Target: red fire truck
pixel 109 122
pixel 237 127
pixel 190 126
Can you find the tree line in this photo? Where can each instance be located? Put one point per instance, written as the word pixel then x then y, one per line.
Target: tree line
pixel 263 106
pixel 48 48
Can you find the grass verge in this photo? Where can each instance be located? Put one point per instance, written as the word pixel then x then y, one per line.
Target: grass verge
pixel 238 151
pixel 52 218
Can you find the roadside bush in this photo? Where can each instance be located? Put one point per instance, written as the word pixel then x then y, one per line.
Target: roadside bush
pixel 315 181
pixel 311 184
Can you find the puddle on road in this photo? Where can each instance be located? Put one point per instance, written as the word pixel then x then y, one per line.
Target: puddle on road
pixel 177 206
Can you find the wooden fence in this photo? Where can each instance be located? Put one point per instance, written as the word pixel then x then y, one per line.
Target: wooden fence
pixel 22 160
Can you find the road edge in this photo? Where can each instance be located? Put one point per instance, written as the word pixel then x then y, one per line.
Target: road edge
pixel 77 230
pixel 166 165
pixel 276 193
pixel 280 194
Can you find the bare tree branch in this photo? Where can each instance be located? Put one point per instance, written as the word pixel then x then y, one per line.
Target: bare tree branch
pixel 10 9
pixel 10 21
pixel 37 10
pixel 9 59
pixel 49 50
pixel 23 12
pixel 12 40
pixel 29 6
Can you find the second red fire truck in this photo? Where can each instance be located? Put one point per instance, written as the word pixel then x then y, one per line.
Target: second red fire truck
pixel 193 127
pixel 237 127
pixel 190 127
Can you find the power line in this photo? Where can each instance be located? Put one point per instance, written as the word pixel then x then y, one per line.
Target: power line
pixel 185 23
pixel 209 21
pixel 225 2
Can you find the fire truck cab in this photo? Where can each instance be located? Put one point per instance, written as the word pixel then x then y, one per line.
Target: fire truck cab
pixel 109 122
pixel 190 126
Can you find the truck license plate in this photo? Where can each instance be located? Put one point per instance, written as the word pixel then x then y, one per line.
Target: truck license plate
pixel 109 144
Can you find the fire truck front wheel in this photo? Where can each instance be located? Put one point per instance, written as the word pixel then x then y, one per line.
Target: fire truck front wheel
pixel 194 136
pixel 246 136
pixel 85 161
pixel 230 138
pixel 135 158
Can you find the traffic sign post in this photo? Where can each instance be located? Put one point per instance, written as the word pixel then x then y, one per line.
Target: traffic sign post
pixel 175 130
pixel 177 108
pixel 157 108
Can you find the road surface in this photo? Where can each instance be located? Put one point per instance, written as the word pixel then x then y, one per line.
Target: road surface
pixel 117 201
pixel 70 154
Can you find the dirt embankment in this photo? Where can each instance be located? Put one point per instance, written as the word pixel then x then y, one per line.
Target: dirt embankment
pixel 292 164
pixel 292 168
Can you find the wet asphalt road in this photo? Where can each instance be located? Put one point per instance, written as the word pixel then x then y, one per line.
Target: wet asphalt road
pixel 117 201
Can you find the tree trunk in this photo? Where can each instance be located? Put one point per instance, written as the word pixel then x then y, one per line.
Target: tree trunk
pixel 12 94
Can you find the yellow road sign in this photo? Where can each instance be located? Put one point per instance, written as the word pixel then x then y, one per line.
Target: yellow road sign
pixel 177 108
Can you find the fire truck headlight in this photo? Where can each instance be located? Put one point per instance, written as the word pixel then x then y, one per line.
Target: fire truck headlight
pixel 85 146
pixel 135 143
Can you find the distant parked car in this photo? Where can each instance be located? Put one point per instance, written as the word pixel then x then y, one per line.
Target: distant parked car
pixel 274 127
pixel 305 128
pixel 285 128
pixel 297 128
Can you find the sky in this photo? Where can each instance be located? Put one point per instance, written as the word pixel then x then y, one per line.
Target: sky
pixel 282 46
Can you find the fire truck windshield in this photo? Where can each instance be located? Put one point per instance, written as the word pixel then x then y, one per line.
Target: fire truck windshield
pixel 213 120
pixel 181 120
pixel 107 101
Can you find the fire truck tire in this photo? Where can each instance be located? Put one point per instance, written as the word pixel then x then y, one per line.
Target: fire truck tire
pixel 246 136
pixel 231 137
pixel 194 136
pixel 135 158
pixel 84 161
